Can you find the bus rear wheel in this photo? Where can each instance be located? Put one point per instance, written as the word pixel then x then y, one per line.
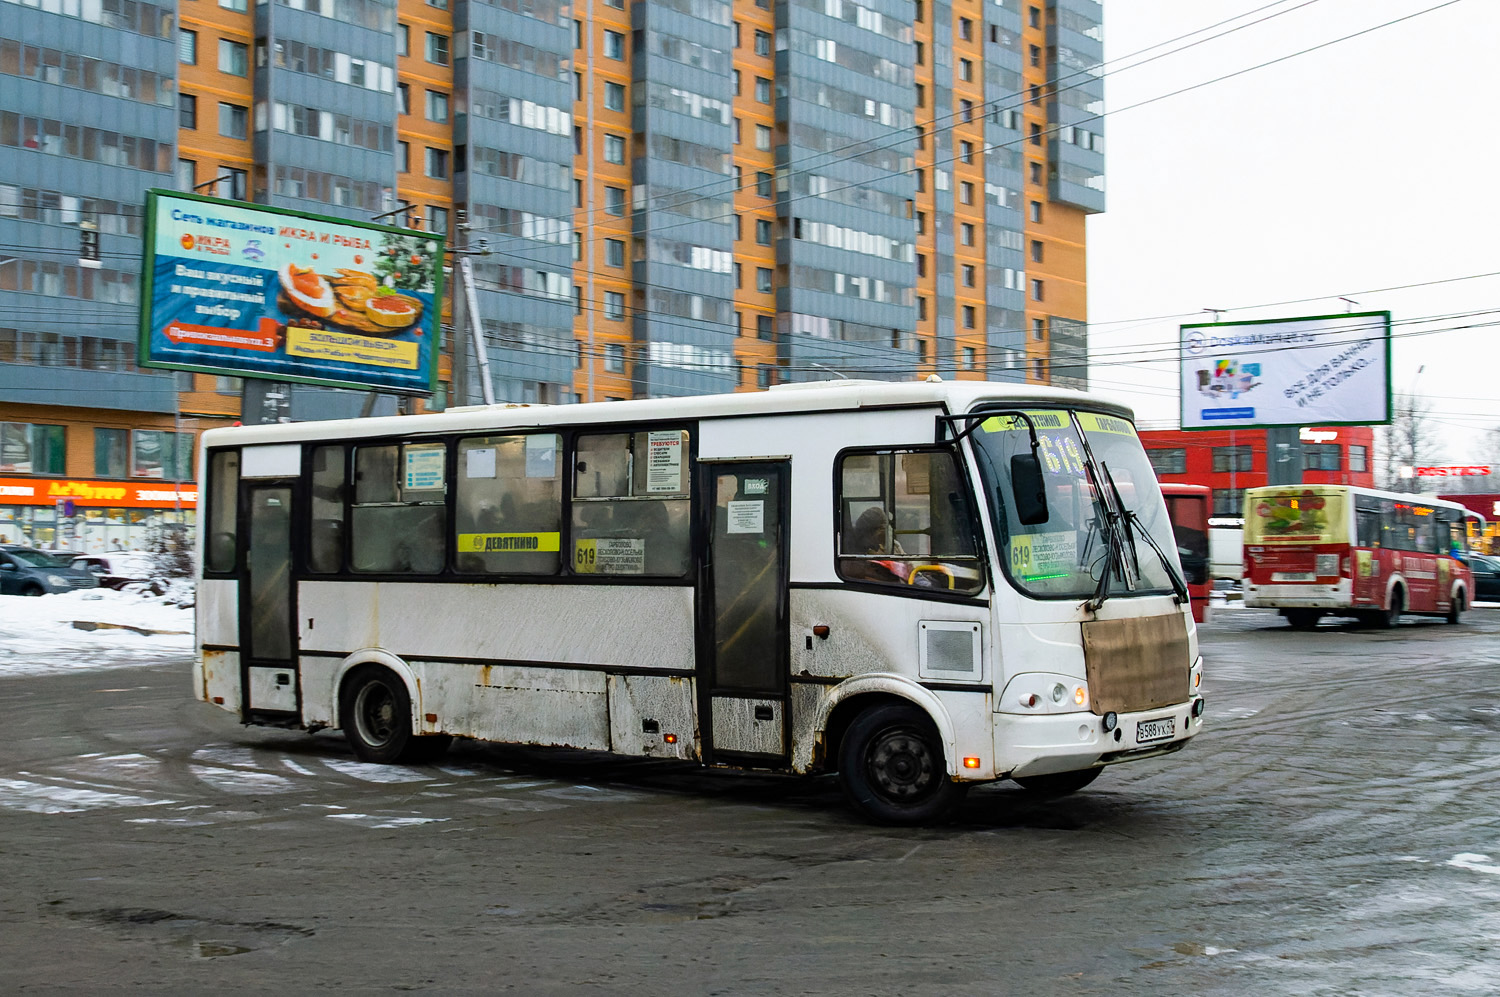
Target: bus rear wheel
pixel 1456 607
pixel 892 767
pixel 1059 783
pixel 1303 619
pixel 1391 617
pixel 375 711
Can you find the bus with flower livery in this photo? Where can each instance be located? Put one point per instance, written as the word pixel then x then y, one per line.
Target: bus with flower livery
pixel 921 587
pixel 1339 550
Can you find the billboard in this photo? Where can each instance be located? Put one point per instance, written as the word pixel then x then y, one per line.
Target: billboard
pixel 254 291
pixel 1324 370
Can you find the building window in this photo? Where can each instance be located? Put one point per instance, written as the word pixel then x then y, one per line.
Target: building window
pixel 1034 17
pixel 765 376
pixel 967 273
pixel 614 96
pixel 965 192
pixel 968 358
pixel 187 174
pixel 1036 172
pixel 1358 458
pixel 921 95
pixel 966 110
pixel 1322 457
pixel 614 252
pixel 437 163
pixel 965 69
pixel 233 120
pixel 614 148
pixel 921 309
pixel 1035 54
pixel 403 40
pixel 614 305
pixel 762 43
pixel 614 201
pixel 763 138
pixel 437 49
pixel 762 278
pixel 968 314
pixel 763 90
pixel 238 185
pixel 765 328
pixel 738 277
pixel 187 111
pixel 966 151
pixel 921 264
pixel 1039 329
pixel 1036 251
pixel 921 217
pixel 403 98
pixel 614 45
pixel 1229 502
pixel 1239 458
pixel 1170 460
pixel 403 157
pixel 965 29
pixel 33 449
pixel 234 57
pixel 158 454
pixel 921 54
pixel 1039 370
pixel 763 184
pixel 437 220
pixel 1036 211
pixel 187 47
pixel 228 385
pixel 966 235
pixel 762 232
pixel 1037 289
pixel 437 106
pixel 614 358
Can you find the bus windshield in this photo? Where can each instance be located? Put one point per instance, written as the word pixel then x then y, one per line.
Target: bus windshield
pixel 1067 555
pixel 1298 516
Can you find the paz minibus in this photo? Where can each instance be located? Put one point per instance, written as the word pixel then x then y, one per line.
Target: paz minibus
pixel 1340 550
pixel 918 586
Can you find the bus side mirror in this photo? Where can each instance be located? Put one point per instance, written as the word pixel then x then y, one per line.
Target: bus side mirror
pixel 1027 488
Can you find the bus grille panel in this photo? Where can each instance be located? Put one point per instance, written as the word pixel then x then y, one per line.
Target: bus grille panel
pixel 1136 664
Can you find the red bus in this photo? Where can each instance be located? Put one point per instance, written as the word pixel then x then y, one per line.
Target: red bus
pixel 1187 508
pixel 1337 550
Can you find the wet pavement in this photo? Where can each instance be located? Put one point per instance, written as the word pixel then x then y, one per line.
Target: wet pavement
pixel 1334 830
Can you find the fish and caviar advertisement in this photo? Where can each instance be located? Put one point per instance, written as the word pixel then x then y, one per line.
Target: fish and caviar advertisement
pixel 252 291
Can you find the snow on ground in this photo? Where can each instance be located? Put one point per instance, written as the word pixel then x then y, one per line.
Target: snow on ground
pixel 37 635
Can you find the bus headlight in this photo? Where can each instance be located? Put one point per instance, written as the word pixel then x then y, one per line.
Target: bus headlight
pixel 1043 693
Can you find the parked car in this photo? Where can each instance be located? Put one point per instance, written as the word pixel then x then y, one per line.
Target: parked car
pixel 1486 570
pixel 28 571
pixel 117 570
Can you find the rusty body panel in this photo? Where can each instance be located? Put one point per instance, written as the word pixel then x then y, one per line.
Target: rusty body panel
pixel 1136 663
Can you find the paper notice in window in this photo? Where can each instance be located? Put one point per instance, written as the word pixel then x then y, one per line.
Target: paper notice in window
pixel 747 517
pixel 610 557
pixel 480 463
pixel 541 456
pixel 664 463
pixel 424 468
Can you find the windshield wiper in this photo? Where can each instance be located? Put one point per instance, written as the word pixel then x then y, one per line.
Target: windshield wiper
pixel 1134 525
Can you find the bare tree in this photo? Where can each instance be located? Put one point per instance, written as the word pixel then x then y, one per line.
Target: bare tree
pixel 1411 440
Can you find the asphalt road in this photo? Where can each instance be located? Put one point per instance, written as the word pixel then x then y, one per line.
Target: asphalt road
pixel 1333 831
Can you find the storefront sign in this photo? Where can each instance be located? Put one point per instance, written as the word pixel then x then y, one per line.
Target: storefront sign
pixel 96 494
pixel 1457 471
pixel 251 291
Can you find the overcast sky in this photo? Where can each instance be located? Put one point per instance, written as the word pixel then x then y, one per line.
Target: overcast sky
pixel 1368 164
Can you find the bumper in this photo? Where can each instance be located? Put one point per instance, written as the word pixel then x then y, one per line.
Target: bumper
pixel 1300 595
pixel 1066 742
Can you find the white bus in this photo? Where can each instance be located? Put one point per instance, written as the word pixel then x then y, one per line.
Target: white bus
pixel 920 586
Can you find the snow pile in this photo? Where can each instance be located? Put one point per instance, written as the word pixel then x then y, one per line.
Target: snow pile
pixel 37 634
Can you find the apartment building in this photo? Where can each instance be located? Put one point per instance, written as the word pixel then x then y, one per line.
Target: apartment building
pixel 661 197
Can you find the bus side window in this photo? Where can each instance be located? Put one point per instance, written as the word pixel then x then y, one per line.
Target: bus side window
pixel 325 553
pixel 1368 526
pixel 223 510
pixel 631 508
pixel 399 509
pixel 906 520
pixel 509 505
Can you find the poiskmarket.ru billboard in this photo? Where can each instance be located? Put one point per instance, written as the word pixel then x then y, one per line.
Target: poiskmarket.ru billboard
pixel 1323 370
pixel 253 291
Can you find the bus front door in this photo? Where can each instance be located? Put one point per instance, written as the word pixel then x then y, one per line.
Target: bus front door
pixel 267 641
pixel 743 652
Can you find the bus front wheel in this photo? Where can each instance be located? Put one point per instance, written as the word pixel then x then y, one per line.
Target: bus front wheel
pixel 1456 607
pixel 1303 619
pixel 1391 617
pixel 892 767
pixel 375 711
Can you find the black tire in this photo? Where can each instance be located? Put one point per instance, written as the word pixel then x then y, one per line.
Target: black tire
pixel 892 768
pixel 375 711
pixel 1456 607
pixel 1059 784
pixel 1388 619
pixel 1303 619
pixel 33 591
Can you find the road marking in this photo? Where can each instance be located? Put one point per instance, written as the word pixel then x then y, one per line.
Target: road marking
pixel 242 780
pixel 380 823
pixel 1473 862
pixel 377 773
pixel 41 798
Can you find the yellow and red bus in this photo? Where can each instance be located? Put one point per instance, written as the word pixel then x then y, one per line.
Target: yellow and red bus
pixel 1338 550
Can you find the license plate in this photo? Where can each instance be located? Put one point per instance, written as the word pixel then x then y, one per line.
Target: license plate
pixel 1293 576
pixel 1155 730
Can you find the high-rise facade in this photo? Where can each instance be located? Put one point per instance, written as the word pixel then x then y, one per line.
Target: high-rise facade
pixel 661 197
